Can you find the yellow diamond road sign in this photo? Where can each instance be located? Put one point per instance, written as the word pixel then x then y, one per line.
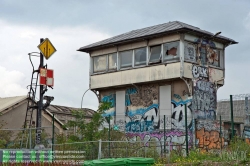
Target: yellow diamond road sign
pixel 47 48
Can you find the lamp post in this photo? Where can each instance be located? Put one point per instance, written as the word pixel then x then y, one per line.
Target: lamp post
pixel 83 96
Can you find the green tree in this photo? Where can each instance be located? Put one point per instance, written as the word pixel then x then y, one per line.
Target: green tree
pixel 87 130
pixel 5 135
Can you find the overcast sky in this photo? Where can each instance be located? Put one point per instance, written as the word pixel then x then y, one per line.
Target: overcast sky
pixel 75 23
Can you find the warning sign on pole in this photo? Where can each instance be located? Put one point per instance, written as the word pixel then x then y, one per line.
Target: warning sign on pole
pixel 46 77
pixel 47 48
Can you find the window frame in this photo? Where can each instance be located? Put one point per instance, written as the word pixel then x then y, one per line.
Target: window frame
pixel 150 52
pixel 116 67
pixel 120 60
pixel 195 45
pixel 100 71
pixel 177 58
pixel 219 58
pixel 139 65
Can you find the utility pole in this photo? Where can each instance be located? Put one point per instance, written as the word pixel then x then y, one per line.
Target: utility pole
pixel 40 105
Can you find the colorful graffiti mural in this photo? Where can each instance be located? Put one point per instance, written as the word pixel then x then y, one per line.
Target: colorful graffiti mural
pixel 110 98
pixel 208 125
pixel 204 100
pixel 208 140
pixel 142 109
pixel 178 112
pixel 175 139
pixel 208 135
pixel 246 133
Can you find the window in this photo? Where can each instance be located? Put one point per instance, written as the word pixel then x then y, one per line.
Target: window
pixel 209 56
pixel 126 59
pixel 203 55
pixel 171 51
pixel 155 54
pixel 140 56
pixel 100 63
pixel 190 52
pixel 112 61
pixel 213 57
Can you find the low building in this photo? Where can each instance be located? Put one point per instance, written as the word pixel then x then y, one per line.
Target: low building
pixel 13 111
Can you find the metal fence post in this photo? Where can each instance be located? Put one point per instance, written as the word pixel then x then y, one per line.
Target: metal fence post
pixel 165 134
pixel 186 127
pixel 100 150
pixel 109 136
pixel 220 135
pixel 232 115
pixel 53 132
pixel 30 137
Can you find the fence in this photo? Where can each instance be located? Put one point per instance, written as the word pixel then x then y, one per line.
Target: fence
pixel 25 138
pixel 115 149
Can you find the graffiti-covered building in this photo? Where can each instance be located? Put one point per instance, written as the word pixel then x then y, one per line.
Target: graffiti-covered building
pixel 153 72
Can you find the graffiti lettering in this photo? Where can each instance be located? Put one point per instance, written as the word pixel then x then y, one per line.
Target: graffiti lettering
pixel 174 139
pixel 199 71
pixel 139 126
pixel 208 125
pixel 204 100
pixel 142 109
pixel 209 139
pixel 178 116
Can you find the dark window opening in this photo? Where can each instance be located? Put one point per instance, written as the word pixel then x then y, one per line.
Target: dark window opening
pixel 155 54
pixel 140 56
pixel 126 59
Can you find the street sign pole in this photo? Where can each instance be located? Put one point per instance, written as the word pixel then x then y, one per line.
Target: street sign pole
pixel 40 105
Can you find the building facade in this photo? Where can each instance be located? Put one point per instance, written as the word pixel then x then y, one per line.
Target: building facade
pixel 13 111
pixel 150 74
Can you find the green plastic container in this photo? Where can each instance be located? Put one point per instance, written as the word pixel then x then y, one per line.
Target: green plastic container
pixel 138 161
pixel 114 162
pixel 107 162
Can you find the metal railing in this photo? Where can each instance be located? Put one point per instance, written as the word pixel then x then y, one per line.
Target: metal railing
pixel 24 138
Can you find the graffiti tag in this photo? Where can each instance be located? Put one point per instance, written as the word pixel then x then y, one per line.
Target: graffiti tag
pixel 199 71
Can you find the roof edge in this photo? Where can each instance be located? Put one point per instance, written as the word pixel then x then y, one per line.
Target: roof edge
pixel 180 30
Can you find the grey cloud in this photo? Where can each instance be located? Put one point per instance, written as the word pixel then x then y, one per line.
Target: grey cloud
pixel 114 17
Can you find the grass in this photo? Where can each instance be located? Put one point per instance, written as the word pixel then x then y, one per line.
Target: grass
pixel 237 153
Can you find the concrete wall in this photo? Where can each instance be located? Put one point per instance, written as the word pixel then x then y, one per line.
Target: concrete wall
pixel 15 117
pixel 139 75
pixel 142 117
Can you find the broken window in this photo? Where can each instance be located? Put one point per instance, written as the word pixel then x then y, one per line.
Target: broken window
pixel 208 55
pixel 155 54
pixel 140 56
pixel 112 61
pixel 213 57
pixel 171 51
pixel 100 63
pixel 190 52
pixel 126 59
